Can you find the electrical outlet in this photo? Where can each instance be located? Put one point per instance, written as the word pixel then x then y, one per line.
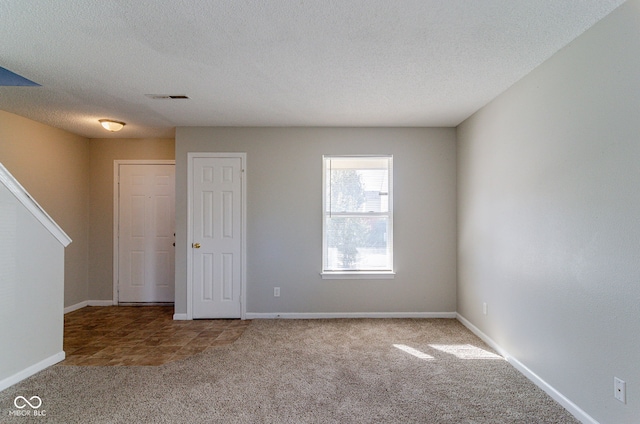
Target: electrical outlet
pixel 620 389
pixel 485 308
pixel 276 292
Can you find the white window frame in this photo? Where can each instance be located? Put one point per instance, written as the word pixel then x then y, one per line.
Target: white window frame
pixel 356 274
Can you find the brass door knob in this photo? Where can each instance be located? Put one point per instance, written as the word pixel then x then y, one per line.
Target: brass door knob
pixel 196 245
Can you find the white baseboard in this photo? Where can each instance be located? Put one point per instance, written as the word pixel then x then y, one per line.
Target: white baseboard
pixel 180 317
pixel 330 315
pixel 574 409
pixel 88 303
pixel 475 330
pixel 33 369
pixel 75 307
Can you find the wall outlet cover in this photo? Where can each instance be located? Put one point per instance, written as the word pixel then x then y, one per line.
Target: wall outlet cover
pixel 620 390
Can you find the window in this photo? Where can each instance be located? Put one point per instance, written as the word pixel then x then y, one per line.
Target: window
pixel 357 216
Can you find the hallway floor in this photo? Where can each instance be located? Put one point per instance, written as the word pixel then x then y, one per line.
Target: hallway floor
pixel 140 335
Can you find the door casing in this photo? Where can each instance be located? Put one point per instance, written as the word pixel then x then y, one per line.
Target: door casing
pixel 190 240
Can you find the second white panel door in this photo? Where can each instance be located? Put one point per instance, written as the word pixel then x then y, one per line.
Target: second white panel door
pixel 217 236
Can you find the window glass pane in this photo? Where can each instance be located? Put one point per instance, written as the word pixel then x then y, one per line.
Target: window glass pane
pixel 376 189
pixel 346 191
pixel 357 243
pixel 356 190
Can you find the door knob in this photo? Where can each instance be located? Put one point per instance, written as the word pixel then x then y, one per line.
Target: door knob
pixel 196 245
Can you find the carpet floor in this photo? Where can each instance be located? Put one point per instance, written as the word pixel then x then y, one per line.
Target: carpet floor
pixel 303 371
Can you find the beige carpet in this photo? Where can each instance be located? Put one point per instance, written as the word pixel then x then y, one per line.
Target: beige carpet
pixel 304 371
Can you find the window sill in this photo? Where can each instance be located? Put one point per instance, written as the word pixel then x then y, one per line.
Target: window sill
pixel 358 275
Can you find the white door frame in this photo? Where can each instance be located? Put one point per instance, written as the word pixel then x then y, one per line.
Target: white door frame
pixel 116 211
pixel 243 249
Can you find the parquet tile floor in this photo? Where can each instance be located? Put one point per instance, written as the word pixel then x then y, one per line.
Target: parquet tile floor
pixel 140 335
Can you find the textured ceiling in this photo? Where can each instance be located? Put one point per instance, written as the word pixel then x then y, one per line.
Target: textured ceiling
pixel 277 62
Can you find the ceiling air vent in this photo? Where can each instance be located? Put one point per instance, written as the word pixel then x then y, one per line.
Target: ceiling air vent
pixel 167 96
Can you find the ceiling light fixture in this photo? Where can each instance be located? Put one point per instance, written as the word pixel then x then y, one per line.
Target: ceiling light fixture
pixel 110 125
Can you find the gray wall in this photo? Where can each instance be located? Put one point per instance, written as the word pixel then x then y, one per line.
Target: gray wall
pixel 284 221
pixel 549 218
pixel 31 290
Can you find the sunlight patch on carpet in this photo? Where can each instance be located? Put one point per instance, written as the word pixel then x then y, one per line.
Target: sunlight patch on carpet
pixel 466 351
pixel 412 351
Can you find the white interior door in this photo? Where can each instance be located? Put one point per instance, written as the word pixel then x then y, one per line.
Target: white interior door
pixel 146 233
pixel 216 236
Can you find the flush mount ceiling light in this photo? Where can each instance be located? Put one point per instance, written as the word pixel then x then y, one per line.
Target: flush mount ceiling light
pixel 110 125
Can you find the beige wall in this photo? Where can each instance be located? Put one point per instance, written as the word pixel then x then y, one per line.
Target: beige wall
pixel 549 227
pixel 103 152
pixel 284 217
pixel 72 179
pixel 53 166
